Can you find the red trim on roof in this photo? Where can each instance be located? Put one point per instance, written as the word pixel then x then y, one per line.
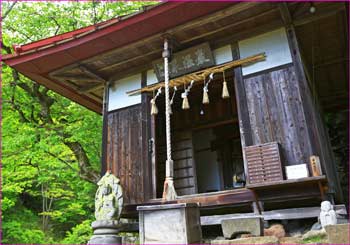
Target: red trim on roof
pixel 70 34
pixel 38 59
pixel 38 45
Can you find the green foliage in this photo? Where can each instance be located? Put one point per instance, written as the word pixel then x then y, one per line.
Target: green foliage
pixel 22 228
pixel 80 234
pixel 315 240
pixel 47 188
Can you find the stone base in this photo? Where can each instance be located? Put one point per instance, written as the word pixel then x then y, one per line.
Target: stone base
pixel 105 239
pixel 231 228
pixel 338 234
pixel 290 240
pixel 250 240
pixel 170 224
pixel 105 232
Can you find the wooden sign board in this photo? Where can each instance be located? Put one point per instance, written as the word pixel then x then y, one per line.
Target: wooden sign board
pixel 315 165
pixel 186 61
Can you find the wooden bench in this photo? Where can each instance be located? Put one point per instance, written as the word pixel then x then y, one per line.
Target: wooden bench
pixel 289 190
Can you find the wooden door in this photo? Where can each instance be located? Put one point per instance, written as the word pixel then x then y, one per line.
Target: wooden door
pixel 124 152
pixel 185 179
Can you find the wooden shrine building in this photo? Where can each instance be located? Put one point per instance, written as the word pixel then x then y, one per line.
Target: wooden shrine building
pixel 284 66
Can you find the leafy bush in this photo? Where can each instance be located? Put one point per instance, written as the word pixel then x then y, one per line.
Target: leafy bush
pixel 14 232
pixel 80 234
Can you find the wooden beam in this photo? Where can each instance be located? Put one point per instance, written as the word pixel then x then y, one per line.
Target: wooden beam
pixel 104 159
pixel 198 75
pixel 242 107
pixel 87 71
pixel 332 62
pixel 146 154
pixel 90 88
pixel 188 40
pixel 285 14
pixel 92 77
pixel 234 24
pixel 321 12
pixel 236 8
pixel 108 67
pixel 76 88
pixel 72 77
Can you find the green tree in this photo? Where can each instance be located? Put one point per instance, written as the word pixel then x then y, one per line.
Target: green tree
pixel 51 147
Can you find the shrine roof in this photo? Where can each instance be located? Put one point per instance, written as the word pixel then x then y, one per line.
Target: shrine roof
pixel 37 59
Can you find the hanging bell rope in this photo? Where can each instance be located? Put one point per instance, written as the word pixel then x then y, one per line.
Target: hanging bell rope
pixel 154 108
pixel 185 104
pixel 225 93
pixel 172 100
pixel 169 192
pixel 205 89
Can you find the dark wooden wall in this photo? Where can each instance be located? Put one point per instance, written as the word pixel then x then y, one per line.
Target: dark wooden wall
pixel 276 113
pixel 276 105
pixel 124 151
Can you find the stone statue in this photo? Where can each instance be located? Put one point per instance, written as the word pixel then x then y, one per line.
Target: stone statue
pixel 327 215
pixel 108 208
pixel 109 198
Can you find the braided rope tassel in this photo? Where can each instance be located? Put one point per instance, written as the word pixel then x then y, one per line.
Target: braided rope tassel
pixel 154 108
pixel 185 104
pixel 225 93
pixel 205 89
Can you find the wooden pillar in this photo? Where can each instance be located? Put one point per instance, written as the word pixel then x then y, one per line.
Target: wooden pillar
pixel 242 107
pixel 153 154
pixel 104 129
pixel 146 132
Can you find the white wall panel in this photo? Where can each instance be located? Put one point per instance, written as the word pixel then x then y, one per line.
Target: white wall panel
pixel 222 54
pixel 151 77
pixel 117 92
pixel 274 44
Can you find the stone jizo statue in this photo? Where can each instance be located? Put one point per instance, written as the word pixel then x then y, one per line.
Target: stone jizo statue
pixel 327 215
pixel 109 198
pixel 108 208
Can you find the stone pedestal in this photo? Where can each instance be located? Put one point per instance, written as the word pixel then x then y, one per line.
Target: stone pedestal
pixel 170 224
pixel 338 234
pixel 237 226
pixel 105 232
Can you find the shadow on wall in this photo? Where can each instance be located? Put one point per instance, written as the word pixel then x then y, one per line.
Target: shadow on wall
pixel 338 130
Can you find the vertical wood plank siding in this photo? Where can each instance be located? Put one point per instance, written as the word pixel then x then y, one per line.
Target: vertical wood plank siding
pixel 275 113
pixel 124 151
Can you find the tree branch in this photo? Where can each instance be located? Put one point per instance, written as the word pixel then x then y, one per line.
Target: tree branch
pixel 7 49
pixel 60 159
pixel 83 161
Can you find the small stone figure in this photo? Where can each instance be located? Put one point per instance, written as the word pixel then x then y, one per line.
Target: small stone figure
pixel 109 198
pixel 327 215
pixel 108 208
